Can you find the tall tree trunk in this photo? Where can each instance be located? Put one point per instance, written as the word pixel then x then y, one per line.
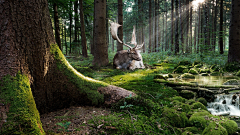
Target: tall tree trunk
pixel 83 35
pixel 100 46
pixel 221 28
pixel 191 21
pixel 199 27
pixel 172 24
pixel 120 21
pixel 155 27
pixel 187 26
pixel 176 29
pixel 234 33
pixel 180 24
pixel 140 10
pixel 35 73
pixel 70 27
pixel 56 24
pixel 76 27
pixel 206 28
pixel 65 32
pixel 150 27
pixel 166 26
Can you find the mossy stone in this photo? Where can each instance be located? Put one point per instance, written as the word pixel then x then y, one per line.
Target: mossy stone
pixel 202 100
pixel 194 130
pixel 231 82
pixel 180 69
pixel 204 74
pixel 190 101
pixel 163 76
pixel 187 76
pixel 184 63
pixel 215 74
pixel 187 94
pixel 185 70
pixel 230 125
pixel 214 128
pixel 198 105
pixel 175 118
pixel 193 71
pixel 196 63
pixel 215 68
pixel 204 70
pixel 238 73
pixel 198 119
pixel 181 106
pixel 180 99
pixel 187 133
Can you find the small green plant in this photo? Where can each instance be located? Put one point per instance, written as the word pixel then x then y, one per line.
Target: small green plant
pixel 65 125
pixel 125 103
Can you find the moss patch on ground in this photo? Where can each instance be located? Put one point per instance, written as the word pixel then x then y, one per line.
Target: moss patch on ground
pixel 23 116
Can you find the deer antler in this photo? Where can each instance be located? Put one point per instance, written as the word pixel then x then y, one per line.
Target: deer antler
pixel 114 27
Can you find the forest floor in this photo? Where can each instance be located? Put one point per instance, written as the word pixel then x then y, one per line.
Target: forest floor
pixel 130 116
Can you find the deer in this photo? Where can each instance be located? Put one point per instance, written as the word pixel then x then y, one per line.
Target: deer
pixel 127 59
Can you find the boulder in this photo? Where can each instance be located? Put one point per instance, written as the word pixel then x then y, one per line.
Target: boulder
pixel 187 94
pixel 180 69
pixel 193 71
pixel 187 76
pixel 231 82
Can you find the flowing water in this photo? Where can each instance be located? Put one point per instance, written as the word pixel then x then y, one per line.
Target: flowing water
pixel 224 104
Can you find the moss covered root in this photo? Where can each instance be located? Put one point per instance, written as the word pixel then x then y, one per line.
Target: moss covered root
pixel 23 116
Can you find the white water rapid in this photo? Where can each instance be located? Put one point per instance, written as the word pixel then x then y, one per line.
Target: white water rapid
pixel 225 105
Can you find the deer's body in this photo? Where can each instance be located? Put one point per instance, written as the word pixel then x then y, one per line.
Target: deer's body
pixel 123 59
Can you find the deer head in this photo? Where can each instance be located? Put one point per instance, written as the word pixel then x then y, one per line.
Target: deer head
pixel 114 28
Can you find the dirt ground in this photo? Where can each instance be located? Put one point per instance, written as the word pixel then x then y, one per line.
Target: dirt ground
pixel 78 116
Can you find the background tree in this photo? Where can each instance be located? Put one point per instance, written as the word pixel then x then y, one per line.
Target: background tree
pixel 234 32
pixel 100 46
pixel 120 21
pixel 83 35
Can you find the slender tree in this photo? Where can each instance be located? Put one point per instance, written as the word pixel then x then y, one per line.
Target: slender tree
pixel 172 24
pixel 234 32
pixel 83 35
pixel 176 28
pixel 221 28
pixel 150 27
pixel 56 24
pixel 120 21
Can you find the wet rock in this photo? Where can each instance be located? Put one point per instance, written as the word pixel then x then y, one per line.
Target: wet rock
pixel 187 76
pixel 180 69
pixel 204 74
pixel 215 74
pixel 224 102
pixel 215 68
pixel 204 70
pixel 232 82
pixel 193 71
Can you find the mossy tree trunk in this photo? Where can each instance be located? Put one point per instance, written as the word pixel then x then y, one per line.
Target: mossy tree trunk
pixel 34 70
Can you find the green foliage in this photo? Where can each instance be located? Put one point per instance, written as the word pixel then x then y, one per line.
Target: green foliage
pixel 214 128
pixel 202 100
pixel 198 105
pixel 64 125
pixel 23 116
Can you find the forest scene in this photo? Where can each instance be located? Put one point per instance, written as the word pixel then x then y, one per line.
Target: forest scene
pixel 110 67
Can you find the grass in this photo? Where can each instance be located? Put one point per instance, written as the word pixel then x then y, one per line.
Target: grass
pixel 143 114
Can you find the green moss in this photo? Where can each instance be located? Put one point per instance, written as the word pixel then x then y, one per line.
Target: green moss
pixel 190 101
pixel 238 73
pixel 202 100
pixel 194 130
pixel 198 121
pixel 187 76
pixel 187 94
pixel 181 106
pixel 214 128
pixel 198 105
pixel 86 85
pixel 230 125
pixel 180 99
pixel 180 69
pixel 23 116
pixel 187 133
pixel 175 118
pixel 193 71
pixel 204 70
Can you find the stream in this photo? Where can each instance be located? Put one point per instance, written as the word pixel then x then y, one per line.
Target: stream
pixel 224 104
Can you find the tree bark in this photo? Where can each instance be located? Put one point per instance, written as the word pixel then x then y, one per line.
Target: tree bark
pixel 176 28
pixel 150 27
pixel 83 35
pixel 70 27
pixel 120 21
pixel 100 46
pixel 172 24
pixel 234 32
pixel 34 70
pixel 221 28
pixel 56 24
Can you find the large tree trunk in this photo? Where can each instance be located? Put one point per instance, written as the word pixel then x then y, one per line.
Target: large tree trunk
pixel 33 68
pixel 56 25
pixel 83 35
pixel 172 24
pixel 100 46
pixel 234 32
